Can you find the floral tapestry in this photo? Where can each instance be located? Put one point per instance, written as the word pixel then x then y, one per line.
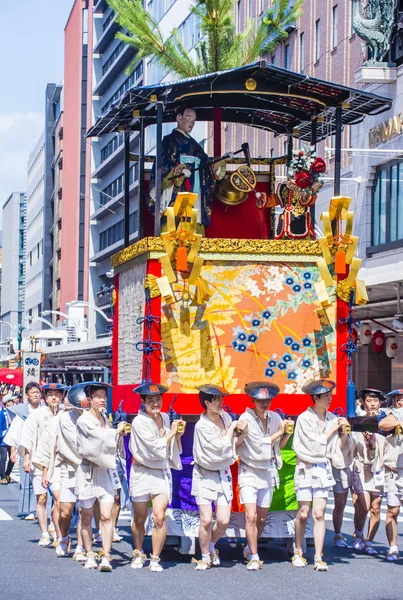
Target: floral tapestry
pixel 263 321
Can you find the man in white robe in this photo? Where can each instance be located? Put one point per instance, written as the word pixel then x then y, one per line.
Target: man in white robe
pixel 32 431
pixel 392 423
pixel 96 477
pixel 155 445
pixel 214 452
pixel 314 439
pixel 18 415
pixel 260 461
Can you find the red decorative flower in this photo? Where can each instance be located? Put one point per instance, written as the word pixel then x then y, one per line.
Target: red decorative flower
pixel 303 179
pixel 318 165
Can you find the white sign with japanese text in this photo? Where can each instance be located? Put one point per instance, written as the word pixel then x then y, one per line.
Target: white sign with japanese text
pixel 31 368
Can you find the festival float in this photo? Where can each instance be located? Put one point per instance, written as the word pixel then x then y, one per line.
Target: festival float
pixel 216 289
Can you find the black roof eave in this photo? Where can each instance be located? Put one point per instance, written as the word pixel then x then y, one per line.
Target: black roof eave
pixel 293 97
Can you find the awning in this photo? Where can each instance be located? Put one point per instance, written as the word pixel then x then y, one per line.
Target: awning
pixel 260 95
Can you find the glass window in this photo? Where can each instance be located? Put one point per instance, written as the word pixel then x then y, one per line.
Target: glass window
pixel 287 56
pixel 394 178
pixel 334 26
pixel 317 40
pixel 301 52
pixel 387 204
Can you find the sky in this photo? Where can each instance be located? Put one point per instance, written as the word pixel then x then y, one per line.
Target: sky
pixel 31 55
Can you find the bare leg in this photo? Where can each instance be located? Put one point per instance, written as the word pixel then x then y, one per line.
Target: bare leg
pixel 340 501
pixel 97 515
pixel 223 514
pixel 41 512
pixel 107 525
pixel 79 529
pixel 300 523
pixel 375 516
pixel 206 521
pixel 56 513
pixel 160 503
pixel 391 524
pixel 361 510
pixel 116 508
pixel 251 526
pixel 319 525
pixel 65 513
pixel 140 516
pixel 86 527
pixel 261 519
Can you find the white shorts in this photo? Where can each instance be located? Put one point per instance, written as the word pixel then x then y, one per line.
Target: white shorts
pixel 146 497
pixel 67 495
pixel 37 485
pixel 394 499
pixel 250 495
pixel 105 498
pixel 221 500
pixel 307 494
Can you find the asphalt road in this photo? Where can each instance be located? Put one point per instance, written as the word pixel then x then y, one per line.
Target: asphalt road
pixel 28 571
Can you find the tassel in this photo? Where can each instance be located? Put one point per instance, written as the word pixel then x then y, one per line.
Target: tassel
pixel 204 292
pixel 340 263
pixel 187 184
pixel 181 259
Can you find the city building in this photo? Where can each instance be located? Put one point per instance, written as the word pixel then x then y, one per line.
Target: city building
pixel 53 135
pixel 68 249
pixel 34 231
pixel 13 262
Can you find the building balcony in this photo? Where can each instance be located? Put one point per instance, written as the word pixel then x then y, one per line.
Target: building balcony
pixel 100 6
pixel 110 250
pixel 114 158
pixel 103 297
pixel 107 36
pixel 106 208
pixel 122 60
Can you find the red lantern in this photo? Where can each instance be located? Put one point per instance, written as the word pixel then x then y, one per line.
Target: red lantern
pixel 378 341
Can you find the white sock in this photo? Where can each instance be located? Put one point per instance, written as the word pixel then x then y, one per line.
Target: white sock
pixel 64 539
pixel 80 548
pixel 212 548
pixel 393 549
pixel 254 556
pixel 206 556
pixel 45 534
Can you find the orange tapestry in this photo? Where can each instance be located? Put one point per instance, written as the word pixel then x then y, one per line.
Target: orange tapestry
pixel 261 322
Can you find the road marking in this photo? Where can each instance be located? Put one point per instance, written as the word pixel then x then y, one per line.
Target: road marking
pixel 5 516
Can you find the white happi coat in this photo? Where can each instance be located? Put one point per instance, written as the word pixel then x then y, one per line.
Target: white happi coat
pixel 313 450
pixel 34 426
pixel 368 464
pixel 97 449
pixel 260 460
pixel 153 458
pixel 68 456
pixel 393 457
pixel 213 454
pixel 44 457
pixel 342 460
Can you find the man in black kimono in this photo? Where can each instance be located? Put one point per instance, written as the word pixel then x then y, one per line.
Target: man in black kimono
pixel 184 168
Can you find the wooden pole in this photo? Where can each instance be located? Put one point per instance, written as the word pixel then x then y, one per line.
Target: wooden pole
pixel 126 187
pixel 158 174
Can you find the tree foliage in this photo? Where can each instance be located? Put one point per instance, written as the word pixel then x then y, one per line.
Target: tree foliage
pixel 220 46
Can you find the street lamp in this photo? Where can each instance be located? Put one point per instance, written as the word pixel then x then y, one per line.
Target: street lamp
pixel 29 319
pixel 46 313
pixel 98 310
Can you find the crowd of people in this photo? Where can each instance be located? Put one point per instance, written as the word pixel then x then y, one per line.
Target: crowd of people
pixel 67 446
